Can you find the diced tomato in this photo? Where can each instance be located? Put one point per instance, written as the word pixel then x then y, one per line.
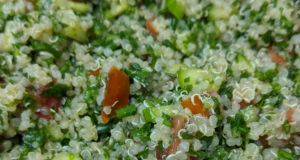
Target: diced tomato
pixel 116 94
pixel 275 57
pixel 159 154
pixel 45 104
pixel 264 142
pixel 244 104
pixel 150 28
pixel 95 72
pixel 292 51
pixel 289 114
pixel 196 107
pixel 177 124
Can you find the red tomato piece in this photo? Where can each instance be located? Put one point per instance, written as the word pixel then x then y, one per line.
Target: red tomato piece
pixel 196 107
pixel 116 94
pixel 150 28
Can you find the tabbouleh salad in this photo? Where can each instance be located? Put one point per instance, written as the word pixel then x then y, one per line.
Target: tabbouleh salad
pixel 149 79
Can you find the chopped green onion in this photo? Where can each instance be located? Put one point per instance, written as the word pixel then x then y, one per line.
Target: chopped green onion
pixel 186 135
pixel 284 155
pixel 103 128
pixel 125 112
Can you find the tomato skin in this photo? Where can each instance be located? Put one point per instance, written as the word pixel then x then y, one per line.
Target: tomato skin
pixel 178 123
pixel 117 93
pixel 275 57
pixel 289 114
pixel 95 72
pixel 151 28
pixel 264 142
pixel 196 107
pixel 46 103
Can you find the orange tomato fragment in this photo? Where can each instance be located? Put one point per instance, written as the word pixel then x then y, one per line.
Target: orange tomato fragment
pixel 151 28
pixel 177 124
pixel 275 57
pixel 289 114
pixel 95 72
pixel 116 94
pixel 196 107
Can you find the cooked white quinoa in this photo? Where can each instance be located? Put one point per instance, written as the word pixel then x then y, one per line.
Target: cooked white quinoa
pixel 241 58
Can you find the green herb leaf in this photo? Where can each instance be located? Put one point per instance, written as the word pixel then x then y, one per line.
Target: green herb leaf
pixel 136 72
pixel 286 127
pixel 29 101
pixel 144 132
pixel 58 90
pixel 284 155
pixel 38 45
pixel 91 91
pixel 36 135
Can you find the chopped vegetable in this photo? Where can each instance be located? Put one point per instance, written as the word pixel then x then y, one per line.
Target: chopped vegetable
pixel 195 105
pixel 29 101
pixel 188 77
pixel 57 91
pixel 136 72
pixel 45 104
pixel 150 27
pixel 36 136
pixel 95 72
pixel 66 156
pixel 116 94
pixel 144 132
pixel 125 112
pixel 175 8
pixel 92 90
pixel 151 113
pixel 178 123
pixel 275 57
pixel 38 45
pixel 284 155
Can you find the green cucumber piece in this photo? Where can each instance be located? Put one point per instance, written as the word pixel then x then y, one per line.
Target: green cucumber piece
pixel 151 113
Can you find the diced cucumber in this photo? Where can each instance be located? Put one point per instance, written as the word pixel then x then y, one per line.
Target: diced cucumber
pixel 173 69
pixel 55 132
pixel 217 12
pixel 175 8
pixel 79 7
pixel 151 113
pixel 76 33
pixel 116 10
pixel 243 64
pixel 250 113
pixel 191 76
pixel 75 6
pixel 66 156
pixel 188 77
